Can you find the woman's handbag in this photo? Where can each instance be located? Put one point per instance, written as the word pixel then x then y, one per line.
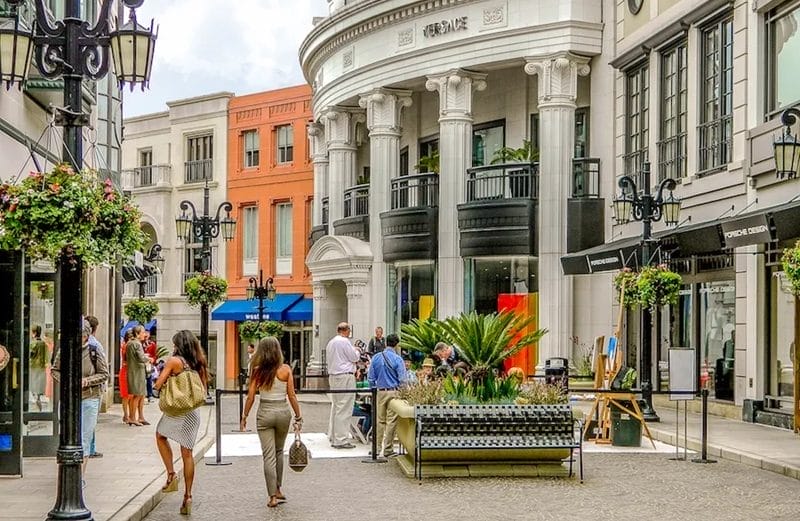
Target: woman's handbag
pixel 298 453
pixel 182 393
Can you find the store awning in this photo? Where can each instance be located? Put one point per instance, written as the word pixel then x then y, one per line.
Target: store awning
pixel 302 310
pixel 241 310
pixel 696 239
pixel 610 256
pixel 787 221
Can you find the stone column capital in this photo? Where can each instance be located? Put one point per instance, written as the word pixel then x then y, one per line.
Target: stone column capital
pixel 320 290
pixel 384 108
pixel 455 89
pixel 319 148
pixel 355 289
pixel 340 126
pixel 558 76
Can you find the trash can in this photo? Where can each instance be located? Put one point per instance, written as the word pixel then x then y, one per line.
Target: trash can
pixel 626 431
pixel 556 371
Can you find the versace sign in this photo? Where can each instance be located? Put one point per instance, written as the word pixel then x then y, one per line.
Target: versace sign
pixel 445 26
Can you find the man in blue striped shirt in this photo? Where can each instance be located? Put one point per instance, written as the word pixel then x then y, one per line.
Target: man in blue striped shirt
pixel 387 372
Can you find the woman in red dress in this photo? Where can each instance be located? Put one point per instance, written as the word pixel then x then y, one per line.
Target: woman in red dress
pixel 123 379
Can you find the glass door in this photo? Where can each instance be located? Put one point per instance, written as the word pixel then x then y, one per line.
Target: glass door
pixel 11 356
pixel 40 392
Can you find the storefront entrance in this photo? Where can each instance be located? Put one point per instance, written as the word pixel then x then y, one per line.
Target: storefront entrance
pixel 11 367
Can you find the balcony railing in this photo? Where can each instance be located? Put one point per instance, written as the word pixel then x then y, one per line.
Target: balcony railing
pixel 144 176
pixel 198 171
pixel 151 286
pixel 504 181
pixel 585 177
pixel 325 210
pixel 356 201
pixel 415 191
pixel 672 157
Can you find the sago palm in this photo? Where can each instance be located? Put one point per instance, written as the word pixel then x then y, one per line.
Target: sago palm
pixel 422 335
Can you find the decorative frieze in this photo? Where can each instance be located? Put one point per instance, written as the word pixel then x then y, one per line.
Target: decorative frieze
pixel 405 37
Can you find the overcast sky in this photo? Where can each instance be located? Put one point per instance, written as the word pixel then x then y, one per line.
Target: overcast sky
pixel 206 46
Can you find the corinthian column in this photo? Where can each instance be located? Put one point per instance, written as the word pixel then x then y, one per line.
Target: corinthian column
pixel 340 133
pixel 558 85
pixel 384 108
pixel 455 156
pixel 319 157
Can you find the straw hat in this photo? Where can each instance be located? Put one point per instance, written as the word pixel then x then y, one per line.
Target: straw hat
pixel 428 362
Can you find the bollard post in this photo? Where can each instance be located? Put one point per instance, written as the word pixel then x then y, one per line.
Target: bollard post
pixel 704 433
pixel 218 434
pixel 374 419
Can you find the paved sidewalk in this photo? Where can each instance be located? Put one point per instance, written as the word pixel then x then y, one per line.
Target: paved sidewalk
pixel 123 485
pixel 769 448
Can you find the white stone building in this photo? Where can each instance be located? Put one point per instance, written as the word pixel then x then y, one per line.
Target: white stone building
pixel 166 158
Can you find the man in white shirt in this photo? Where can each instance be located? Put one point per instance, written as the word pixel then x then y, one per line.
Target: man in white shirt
pixel 342 358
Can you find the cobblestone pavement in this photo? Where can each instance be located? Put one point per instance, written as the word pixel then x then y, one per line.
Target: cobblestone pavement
pixel 618 486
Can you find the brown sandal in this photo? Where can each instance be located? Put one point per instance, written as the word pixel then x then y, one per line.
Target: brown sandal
pixel 172 483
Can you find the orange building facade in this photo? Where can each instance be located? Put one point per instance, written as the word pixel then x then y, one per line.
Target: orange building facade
pixel 270 185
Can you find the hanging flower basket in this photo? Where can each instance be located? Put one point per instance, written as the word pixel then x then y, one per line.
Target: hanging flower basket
pixel 627 279
pixel 251 330
pixel 141 310
pixel 205 289
pixel 658 286
pixel 790 261
pixel 62 210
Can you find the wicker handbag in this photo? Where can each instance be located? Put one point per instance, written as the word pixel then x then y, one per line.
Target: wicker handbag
pixel 182 393
pixel 298 453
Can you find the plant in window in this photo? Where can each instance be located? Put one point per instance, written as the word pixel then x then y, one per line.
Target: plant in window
pixel 658 286
pixel 67 212
pixel 527 153
pixel 252 330
pixel 141 310
pixel 790 262
pixel 205 289
pixel 429 163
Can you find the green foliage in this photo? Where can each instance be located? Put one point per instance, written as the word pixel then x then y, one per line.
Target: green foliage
pixel 67 211
pixel 790 262
pixel 626 279
pixel 422 393
pixel 484 341
pixel 582 357
pixel 527 153
pixel 205 288
pixel 489 389
pixel 629 379
pixel 252 330
pixel 422 335
pixel 163 351
pixel 540 393
pixel 141 310
pixel 428 163
pixel 658 286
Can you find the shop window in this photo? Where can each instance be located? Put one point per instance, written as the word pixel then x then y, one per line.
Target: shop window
pixel 783 47
pixel 717 342
pixel 490 282
pixel 781 344
pixel 716 94
pixel 411 292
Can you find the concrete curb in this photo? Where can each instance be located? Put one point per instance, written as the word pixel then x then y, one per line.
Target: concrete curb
pixel 150 496
pixel 730 454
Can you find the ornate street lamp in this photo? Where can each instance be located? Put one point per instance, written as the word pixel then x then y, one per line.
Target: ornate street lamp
pixel 203 228
pixel 786 148
pixel 72 49
pixel 155 258
pixel 647 208
pixel 255 290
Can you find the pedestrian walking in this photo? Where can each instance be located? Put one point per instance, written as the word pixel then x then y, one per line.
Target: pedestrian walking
pixel 95 343
pixel 38 366
pixel 187 356
pixel 274 383
pixel 341 357
pixel 125 396
pixel 387 372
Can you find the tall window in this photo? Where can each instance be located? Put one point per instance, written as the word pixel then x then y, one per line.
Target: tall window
pixel 582 132
pixel 487 139
pixel 249 240
pixel 283 239
pixel 251 145
pixel 199 156
pixel 717 95
pixel 637 133
pixel 146 157
pixel 672 145
pixel 143 174
pixel 285 141
pixel 783 48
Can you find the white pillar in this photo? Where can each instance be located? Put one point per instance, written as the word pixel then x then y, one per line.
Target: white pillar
pixel 557 89
pixel 358 309
pixel 321 324
pixel 319 156
pixel 455 153
pixel 340 130
pixel 384 107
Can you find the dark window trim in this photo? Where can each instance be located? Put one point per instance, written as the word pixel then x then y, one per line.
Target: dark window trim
pixel 778 12
pixel 679 160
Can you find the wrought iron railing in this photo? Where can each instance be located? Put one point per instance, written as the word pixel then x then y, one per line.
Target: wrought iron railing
pixel 198 171
pixel 415 191
pixel 144 176
pixel 716 138
pixel 586 177
pixel 672 157
pixel 503 181
pixel 356 201
pixel 325 210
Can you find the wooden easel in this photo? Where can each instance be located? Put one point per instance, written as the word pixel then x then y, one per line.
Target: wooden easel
pixel 606 369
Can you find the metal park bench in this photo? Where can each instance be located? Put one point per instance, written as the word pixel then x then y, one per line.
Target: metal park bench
pixel 476 427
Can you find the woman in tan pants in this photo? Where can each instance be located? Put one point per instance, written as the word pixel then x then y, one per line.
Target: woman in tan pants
pixel 272 379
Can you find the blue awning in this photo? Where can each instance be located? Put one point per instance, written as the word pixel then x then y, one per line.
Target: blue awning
pixel 241 310
pixel 150 325
pixel 133 323
pixel 303 309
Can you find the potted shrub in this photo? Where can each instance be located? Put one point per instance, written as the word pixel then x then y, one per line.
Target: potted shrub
pixel 253 331
pixel 428 164
pixel 658 286
pixel 527 153
pixel 626 289
pixel 419 337
pixel 141 310
pixel 204 289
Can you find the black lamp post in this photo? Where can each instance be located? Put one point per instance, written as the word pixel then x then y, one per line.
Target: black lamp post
pixel 647 208
pixel 786 147
pixel 154 257
pixel 203 228
pixel 73 49
pixel 256 290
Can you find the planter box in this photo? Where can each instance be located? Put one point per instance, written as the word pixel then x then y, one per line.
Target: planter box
pixel 531 462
